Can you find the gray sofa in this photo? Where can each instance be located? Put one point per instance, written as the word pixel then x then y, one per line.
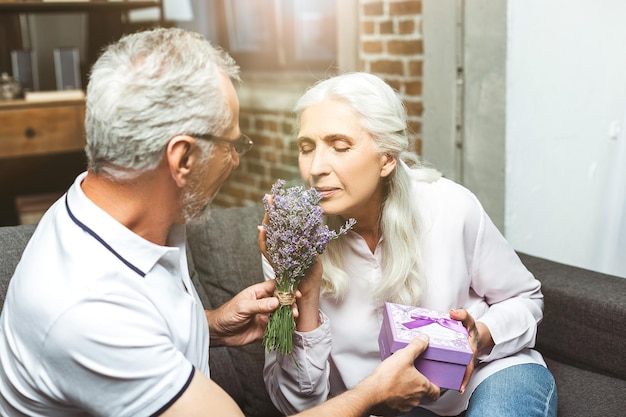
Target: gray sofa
pixel 582 336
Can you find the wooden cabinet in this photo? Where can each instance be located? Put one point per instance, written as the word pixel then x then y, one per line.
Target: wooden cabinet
pixel 41 150
pixel 28 129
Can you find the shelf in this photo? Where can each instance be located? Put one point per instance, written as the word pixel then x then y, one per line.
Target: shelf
pixel 36 6
pixel 24 104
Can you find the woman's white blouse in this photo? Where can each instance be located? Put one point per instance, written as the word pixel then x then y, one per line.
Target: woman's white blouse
pixel 467 263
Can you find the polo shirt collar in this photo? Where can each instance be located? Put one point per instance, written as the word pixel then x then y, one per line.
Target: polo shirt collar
pixel 127 245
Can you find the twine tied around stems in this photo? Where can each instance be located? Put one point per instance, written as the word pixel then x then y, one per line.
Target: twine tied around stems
pixel 285 298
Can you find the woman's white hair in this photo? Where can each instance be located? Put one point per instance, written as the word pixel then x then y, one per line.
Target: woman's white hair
pixel 147 88
pixel 384 117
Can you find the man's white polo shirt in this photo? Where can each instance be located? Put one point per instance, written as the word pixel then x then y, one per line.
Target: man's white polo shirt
pixel 98 320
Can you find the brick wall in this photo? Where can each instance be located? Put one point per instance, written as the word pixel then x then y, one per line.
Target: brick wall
pixel 391 46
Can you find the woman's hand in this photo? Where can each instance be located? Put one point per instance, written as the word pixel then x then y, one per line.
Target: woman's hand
pixel 308 299
pixel 479 337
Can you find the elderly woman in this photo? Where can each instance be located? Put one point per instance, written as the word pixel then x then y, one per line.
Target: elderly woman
pixel 420 240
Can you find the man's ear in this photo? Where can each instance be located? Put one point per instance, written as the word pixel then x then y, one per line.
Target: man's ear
pixel 180 157
pixel 388 164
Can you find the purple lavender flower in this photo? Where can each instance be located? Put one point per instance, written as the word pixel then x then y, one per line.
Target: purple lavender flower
pixel 295 235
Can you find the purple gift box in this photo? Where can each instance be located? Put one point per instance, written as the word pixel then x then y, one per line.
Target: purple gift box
pixel 448 353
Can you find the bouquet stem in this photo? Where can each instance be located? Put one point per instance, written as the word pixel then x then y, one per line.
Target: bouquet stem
pixel 279 331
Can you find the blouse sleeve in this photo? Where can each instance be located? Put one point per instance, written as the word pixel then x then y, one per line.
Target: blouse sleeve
pixel 299 381
pixel 513 295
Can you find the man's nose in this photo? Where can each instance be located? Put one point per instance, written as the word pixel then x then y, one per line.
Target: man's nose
pixel 236 158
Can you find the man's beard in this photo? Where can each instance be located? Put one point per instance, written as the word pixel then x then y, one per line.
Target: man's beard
pixel 196 208
pixel 198 215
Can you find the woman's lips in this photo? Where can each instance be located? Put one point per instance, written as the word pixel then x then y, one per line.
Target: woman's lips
pixel 326 191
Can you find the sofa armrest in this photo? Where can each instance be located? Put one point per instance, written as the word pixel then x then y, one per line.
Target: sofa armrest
pixel 13 240
pixel 584 320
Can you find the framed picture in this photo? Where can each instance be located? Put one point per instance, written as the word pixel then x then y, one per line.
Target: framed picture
pixel 67 68
pixel 24 66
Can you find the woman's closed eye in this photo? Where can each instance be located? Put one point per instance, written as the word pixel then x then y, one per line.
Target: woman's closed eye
pixel 306 149
pixel 341 148
pixel 340 145
pixel 306 146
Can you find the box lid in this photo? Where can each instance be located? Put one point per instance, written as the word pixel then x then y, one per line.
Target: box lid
pixel 448 338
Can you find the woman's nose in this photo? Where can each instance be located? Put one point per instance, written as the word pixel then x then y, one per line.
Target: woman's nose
pixel 319 163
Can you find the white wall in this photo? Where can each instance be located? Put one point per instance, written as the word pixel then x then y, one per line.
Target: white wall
pixel 565 155
pixel 547 156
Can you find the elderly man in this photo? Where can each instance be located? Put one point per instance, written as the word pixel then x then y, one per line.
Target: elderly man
pixel 101 317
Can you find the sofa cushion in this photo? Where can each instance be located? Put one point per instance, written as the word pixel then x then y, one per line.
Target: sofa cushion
pixel 225 252
pixel 223 273
pixel 583 393
pixel 584 316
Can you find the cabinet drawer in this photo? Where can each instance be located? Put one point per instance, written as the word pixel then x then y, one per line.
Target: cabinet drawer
pixel 41 130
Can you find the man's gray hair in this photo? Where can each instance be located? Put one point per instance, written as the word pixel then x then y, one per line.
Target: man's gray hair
pixel 147 88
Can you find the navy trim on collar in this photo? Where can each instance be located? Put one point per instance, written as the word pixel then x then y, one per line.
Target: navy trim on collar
pixel 99 239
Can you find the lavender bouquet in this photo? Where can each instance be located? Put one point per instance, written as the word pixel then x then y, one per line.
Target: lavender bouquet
pixel 295 235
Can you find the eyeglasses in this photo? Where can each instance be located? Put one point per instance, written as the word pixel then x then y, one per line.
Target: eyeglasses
pixel 242 144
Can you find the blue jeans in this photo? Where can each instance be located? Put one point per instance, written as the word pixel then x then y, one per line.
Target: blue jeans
pixel 526 390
